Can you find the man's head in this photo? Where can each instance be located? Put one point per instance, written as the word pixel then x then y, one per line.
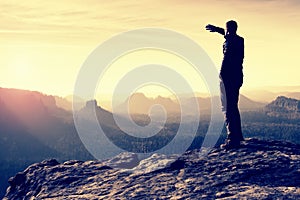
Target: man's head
pixel 231 27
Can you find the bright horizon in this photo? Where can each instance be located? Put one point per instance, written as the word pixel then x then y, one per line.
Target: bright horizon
pixel 44 43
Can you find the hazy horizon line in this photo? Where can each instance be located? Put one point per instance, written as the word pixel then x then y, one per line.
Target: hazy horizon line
pixel 273 88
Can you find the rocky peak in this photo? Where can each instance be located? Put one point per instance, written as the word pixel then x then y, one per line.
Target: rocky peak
pixel 284 106
pixel 91 104
pixel 258 170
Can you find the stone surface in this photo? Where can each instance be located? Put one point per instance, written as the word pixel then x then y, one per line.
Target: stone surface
pixel 284 107
pixel 257 170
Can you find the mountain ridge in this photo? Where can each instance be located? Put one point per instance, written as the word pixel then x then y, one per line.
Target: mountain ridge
pixel 33 128
pixel 139 103
pixel 59 134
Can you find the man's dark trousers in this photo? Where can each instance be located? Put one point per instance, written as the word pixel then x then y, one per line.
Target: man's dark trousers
pixel 230 97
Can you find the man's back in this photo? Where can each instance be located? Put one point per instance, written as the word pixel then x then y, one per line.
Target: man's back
pixel 232 65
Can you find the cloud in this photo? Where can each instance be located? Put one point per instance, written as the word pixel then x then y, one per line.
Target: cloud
pixel 74 16
pixel 89 18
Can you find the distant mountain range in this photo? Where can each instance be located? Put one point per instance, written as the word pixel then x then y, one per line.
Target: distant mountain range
pixel 39 115
pixel 138 103
pixel 125 138
pixel 36 126
pixel 33 128
pixel 267 94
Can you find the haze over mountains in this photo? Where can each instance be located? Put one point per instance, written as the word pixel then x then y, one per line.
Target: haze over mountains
pixel 38 115
pixel 138 103
pixel 35 126
pixel 267 94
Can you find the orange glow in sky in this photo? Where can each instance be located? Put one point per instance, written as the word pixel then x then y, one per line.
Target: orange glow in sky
pixel 44 43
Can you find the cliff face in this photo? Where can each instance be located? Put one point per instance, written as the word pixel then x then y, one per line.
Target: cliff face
pixel 259 169
pixel 284 107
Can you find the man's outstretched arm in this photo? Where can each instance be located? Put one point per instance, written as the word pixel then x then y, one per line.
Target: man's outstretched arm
pixel 213 28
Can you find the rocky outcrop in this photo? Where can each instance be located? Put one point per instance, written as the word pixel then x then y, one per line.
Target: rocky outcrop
pixel 284 107
pixel 257 170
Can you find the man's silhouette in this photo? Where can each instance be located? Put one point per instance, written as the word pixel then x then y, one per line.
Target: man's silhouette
pixel 231 76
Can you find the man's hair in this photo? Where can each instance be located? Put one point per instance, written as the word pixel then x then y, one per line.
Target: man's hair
pixel 231 26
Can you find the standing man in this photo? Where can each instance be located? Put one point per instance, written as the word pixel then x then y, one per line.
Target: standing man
pixel 231 76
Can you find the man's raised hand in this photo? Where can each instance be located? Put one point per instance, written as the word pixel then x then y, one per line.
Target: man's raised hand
pixel 211 28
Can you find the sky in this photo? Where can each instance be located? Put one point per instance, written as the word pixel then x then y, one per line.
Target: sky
pixel 45 43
